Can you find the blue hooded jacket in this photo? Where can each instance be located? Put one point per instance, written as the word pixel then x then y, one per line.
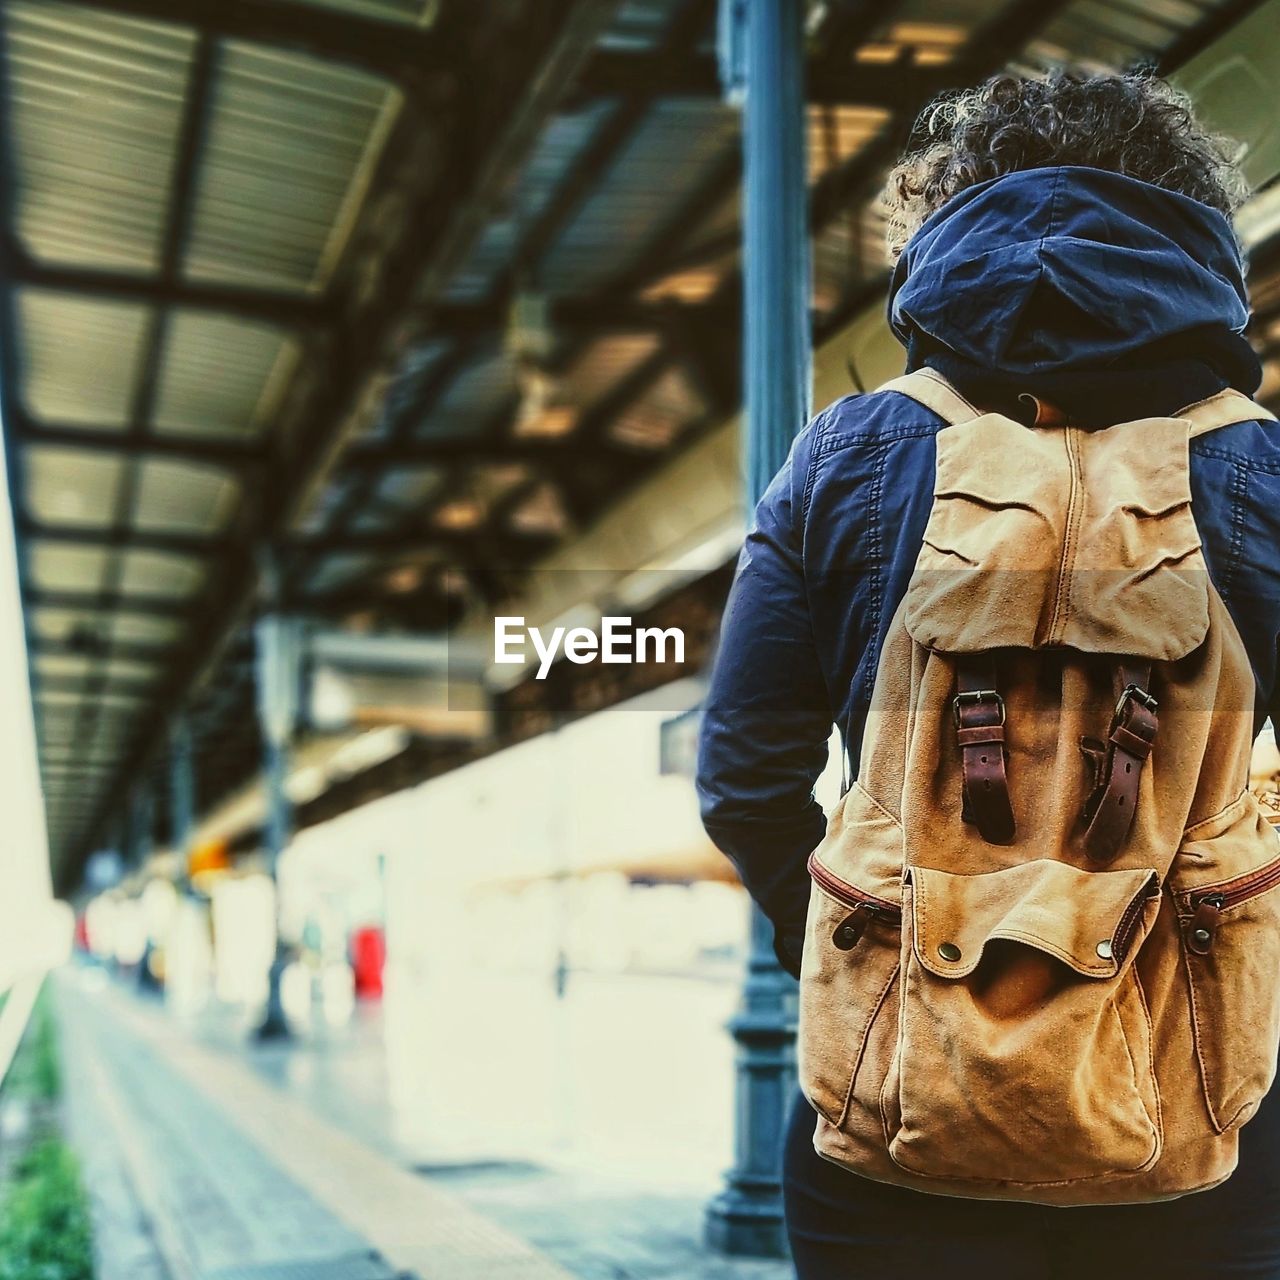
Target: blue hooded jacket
pixel 1107 296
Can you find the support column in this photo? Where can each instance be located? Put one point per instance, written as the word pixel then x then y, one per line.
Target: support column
pixel 139 825
pixel 182 794
pixel 277 680
pixel 746 1218
pixel 141 842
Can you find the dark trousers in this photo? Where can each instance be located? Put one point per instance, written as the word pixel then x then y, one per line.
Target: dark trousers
pixel 843 1227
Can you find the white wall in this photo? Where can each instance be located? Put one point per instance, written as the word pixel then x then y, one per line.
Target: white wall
pixel 31 931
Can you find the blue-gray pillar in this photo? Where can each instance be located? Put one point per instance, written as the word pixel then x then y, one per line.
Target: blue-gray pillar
pixel 142 819
pixel 139 826
pixel 182 794
pixel 276 668
pixel 746 1218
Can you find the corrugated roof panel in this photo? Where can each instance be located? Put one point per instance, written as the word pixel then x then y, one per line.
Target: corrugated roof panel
pixel 603 365
pixel 55 567
pixel 404 489
pixel 61 624
pixel 221 376
pixel 851 252
pixel 70 487
pixel 290 148
pixel 474 398
pixel 140 628
pixel 129 669
pixel 58 712
pixel 96 102
pixel 338 570
pixel 643 190
pixel 63 664
pixel 930 31
pixel 113 728
pixel 694 283
pixel 565 136
pixel 660 415
pixel 837 134
pixel 183 496
pixel 79 358
pixel 160 573
pixel 1108 35
pixel 639 24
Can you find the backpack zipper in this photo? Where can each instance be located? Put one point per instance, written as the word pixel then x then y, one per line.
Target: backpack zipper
pixel 865 907
pixel 1129 921
pixel 1209 904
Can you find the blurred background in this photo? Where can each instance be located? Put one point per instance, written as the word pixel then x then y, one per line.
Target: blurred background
pixel 329 330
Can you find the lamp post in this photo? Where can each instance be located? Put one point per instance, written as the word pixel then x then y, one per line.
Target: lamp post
pixel 766 43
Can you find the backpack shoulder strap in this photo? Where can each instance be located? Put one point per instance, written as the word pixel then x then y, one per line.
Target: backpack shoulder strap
pixel 1223 410
pixel 978 710
pixel 934 392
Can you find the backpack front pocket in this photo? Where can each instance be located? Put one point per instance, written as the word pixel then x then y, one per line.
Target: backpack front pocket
pixel 851 956
pixel 850 975
pixel 1224 883
pixel 1024 1054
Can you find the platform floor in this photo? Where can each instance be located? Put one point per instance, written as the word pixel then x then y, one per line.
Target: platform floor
pixel 210 1158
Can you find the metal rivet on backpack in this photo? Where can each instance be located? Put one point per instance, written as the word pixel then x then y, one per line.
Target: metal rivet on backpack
pixel 1201 937
pixel 1104 949
pixel 949 951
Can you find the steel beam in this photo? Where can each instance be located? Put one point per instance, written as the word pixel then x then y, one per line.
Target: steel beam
pixel 125 651
pixel 408 542
pixel 595 315
pixel 262 306
pixel 692 74
pixel 428 451
pixel 138 690
pixel 226 453
pixel 124 539
pixel 154 606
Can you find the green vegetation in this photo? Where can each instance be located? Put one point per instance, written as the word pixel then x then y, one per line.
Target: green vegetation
pixel 44 1223
pixel 34 1074
pixel 45 1232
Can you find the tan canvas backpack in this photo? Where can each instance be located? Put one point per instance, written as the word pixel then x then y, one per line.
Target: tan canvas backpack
pixel 1042 959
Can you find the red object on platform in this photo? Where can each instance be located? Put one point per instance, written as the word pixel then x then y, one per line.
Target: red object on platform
pixel 368 955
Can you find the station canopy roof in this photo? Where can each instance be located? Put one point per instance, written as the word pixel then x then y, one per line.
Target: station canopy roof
pixel 375 302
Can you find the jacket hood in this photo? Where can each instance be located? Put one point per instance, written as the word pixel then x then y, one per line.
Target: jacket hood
pixel 1063 269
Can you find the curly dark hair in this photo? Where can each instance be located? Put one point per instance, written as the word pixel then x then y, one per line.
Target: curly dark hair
pixel 1132 123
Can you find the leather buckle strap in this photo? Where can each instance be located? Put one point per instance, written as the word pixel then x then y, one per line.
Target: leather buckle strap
pixel 978 712
pixel 1113 802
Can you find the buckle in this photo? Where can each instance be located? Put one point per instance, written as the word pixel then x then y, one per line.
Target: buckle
pixel 1138 695
pixel 973 697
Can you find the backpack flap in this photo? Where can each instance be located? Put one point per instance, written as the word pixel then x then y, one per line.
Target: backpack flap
pixel 1055 536
pixel 1089 920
